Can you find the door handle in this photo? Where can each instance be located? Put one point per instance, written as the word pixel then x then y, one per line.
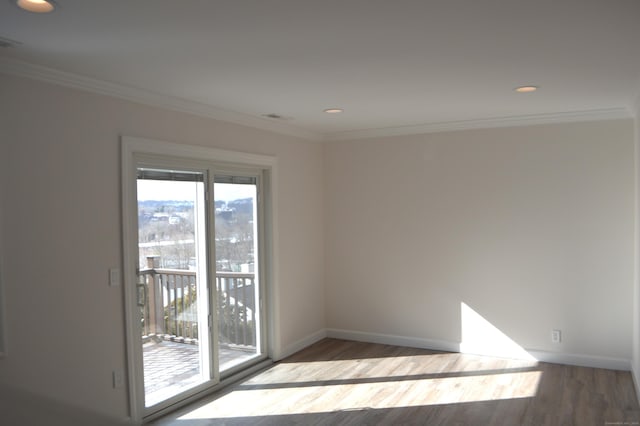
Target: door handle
pixel 141 294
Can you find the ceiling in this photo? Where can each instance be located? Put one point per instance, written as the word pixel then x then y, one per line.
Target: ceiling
pixel 395 67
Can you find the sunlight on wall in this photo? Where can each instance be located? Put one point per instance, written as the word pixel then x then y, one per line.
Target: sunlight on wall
pixel 295 399
pixel 481 337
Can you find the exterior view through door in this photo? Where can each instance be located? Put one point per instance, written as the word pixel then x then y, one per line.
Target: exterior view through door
pixel 198 289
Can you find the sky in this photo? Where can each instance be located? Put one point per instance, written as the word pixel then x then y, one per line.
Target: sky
pixel 178 191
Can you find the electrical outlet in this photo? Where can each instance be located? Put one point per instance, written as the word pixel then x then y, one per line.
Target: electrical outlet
pixel 118 379
pixel 556 336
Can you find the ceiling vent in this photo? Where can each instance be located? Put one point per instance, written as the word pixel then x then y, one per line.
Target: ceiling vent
pixel 6 43
pixel 275 116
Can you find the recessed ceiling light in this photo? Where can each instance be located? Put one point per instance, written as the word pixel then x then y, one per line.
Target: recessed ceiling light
pixel 37 6
pixel 526 89
pixel 333 110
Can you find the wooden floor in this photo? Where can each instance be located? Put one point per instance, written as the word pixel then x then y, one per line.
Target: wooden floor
pixel 336 382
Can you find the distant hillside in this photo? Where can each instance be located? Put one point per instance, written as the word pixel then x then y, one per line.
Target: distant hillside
pixel 242 206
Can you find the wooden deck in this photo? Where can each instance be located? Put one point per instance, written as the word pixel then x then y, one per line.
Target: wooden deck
pixel 336 382
pixel 171 366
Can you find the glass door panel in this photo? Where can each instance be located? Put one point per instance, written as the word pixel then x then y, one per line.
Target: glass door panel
pixel 172 282
pixel 237 275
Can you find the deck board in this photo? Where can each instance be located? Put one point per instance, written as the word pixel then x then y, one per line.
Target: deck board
pixel 169 366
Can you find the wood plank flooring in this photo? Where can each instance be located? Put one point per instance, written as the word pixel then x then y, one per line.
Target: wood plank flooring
pixel 337 382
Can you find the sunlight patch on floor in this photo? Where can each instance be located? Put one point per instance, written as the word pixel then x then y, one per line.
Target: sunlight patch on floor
pixel 292 399
pixel 414 365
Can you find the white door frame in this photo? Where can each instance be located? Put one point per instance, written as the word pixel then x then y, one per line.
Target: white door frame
pixel 133 147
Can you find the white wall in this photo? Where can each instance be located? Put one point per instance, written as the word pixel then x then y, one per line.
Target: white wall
pixel 63 232
pixel 3 183
pixel 636 287
pixel 531 227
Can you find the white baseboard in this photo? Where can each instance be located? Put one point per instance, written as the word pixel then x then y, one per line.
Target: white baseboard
pixel 301 344
pixel 579 360
pixel 388 339
pixel 635 375
pixel 443 345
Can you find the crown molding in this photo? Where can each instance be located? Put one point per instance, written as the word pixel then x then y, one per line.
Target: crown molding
pixel 38 72
pixel 488 123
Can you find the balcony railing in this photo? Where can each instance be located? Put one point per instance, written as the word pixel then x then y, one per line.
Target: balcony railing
pixel 170 311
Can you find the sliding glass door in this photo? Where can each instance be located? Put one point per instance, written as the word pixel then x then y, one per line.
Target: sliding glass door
pixel 197 314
